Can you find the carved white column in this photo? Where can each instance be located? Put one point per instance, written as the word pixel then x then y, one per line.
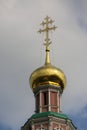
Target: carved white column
pixel 49 105
pixel 32 126
pixel 50 124
pixel 40 102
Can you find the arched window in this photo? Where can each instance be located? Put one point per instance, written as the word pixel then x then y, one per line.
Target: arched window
pixel 57 128
pixel 41 129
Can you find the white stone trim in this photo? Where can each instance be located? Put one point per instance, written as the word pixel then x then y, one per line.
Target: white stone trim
pixel 40 107
pixel 49 107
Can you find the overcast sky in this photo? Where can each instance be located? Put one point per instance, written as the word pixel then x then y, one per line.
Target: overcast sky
pixel 22 51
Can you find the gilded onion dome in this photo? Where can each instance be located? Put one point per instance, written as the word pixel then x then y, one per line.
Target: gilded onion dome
pixel 47 74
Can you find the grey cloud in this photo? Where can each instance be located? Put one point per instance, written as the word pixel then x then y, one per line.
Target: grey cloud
pixel 21 51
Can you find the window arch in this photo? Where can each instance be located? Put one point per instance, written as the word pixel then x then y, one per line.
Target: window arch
pixel 57 128
pixel 42 128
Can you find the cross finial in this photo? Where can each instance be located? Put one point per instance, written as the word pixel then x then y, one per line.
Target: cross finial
pixel 47 23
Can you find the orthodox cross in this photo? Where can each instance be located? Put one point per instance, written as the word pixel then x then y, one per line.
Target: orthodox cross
pixel 47 29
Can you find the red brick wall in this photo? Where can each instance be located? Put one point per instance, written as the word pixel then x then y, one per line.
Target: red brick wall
pixel 53 96
pixel 39 126
pixel 61 126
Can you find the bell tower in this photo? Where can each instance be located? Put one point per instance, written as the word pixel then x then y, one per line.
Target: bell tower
pixel 47 83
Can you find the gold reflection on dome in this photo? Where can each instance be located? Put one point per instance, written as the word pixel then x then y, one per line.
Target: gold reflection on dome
pixel 47 74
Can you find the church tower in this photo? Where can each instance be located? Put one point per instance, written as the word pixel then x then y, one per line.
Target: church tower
pixel 48 83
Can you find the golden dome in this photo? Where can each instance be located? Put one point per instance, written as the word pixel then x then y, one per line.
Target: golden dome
pixel 47 74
